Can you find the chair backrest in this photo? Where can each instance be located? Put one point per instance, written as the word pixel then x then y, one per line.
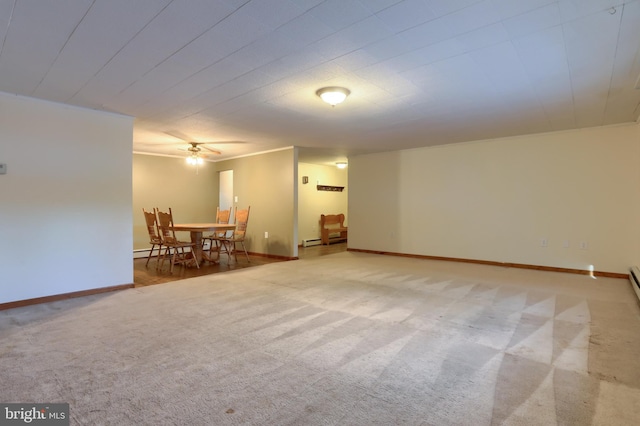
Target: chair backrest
pixel 223 216
pixel 165 226
pixel 332 220
pixel 242 219
pixel 152 226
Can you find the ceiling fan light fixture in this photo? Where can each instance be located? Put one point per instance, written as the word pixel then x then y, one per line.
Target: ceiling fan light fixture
pixel 333 95
pixel 195 160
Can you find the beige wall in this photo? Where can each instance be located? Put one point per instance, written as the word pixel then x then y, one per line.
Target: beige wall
pixel 267 183
pixel 165 182
pixel 495 200
pixel 65 202
pixel 312 203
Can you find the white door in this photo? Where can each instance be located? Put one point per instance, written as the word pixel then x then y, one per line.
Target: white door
pixel 226 190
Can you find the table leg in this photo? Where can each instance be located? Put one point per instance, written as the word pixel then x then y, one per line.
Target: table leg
pixel 196 238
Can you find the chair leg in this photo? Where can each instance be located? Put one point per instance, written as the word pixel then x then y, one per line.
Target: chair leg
pixel 245 251
pixel 173 260
pixel 150 253
pixel 167 251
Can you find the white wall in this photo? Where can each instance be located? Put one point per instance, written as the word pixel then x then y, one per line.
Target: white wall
pixel 495 200
pixel 312 203
pixel 65 203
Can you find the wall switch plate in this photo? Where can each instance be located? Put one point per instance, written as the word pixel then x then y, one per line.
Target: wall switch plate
pixel 565 244
pixel 266 234
pixel 3 169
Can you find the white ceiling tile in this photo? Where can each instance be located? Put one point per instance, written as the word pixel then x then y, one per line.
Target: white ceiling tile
pixel 378 5
pixel 304 30
pixel 339 14
pixel 6 11
pixel 592 49
pixel 483 37
pixel 34 40
pixel 293 64
pixel 510 8
pixel 530 22
pixel 501 65
pixel 574 9
pixel 388 47
pixel 406 14
pixel 274 13
pixel 471 18
pixel 355 60
pixel 100 35
pixel 429 33
pixel 439 51
pixel 160 40
pixel 621 104
pixel 543 57
pixel 441 8
pixel 474 16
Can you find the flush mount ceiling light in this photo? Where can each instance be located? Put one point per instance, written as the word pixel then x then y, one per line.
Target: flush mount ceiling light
pixel 333 95
pixel 341 164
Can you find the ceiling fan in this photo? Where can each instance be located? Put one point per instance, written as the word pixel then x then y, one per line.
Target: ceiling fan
pixel 196 157
pixel 198 151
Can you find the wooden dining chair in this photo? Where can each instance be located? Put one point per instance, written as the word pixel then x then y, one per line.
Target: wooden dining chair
pixel 174 247
pixel 154 237
pixel 241 220
pixel 216 244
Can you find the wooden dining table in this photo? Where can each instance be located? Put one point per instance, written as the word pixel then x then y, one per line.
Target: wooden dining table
pixel 197 229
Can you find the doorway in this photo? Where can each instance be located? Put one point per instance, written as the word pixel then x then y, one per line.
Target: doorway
pixel 225 198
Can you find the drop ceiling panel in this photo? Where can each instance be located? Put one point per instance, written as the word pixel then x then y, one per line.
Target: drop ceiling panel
pixel 26 55
pixel 591 68
pixel 164 37
pixel 441 8
pixel 534 21
pixel 96 39
pixel 275 13
pixel 626 71
pixel 483 37
pixel 339 14
pixel 406 14
pixel 502 67
pixel 510 8
pixel 378 5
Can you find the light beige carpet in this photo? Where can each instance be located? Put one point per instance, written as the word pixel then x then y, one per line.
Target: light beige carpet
pixel 345 339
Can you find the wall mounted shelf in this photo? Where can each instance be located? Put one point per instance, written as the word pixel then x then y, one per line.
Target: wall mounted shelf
pixel 330 188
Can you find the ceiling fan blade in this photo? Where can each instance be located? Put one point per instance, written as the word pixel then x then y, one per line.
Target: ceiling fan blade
pixel 178 135
pixel 218 142
pixel 214 151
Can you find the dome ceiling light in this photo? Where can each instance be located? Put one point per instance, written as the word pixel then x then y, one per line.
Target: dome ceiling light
pixel 333 95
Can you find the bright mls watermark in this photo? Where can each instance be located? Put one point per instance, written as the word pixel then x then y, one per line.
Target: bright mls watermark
pixel 34 414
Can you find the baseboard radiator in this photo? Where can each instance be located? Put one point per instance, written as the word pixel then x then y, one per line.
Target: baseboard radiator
pixel 634 277
pixel 311 242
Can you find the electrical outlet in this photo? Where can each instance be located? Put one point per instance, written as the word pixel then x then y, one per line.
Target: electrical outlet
pixel 565 244
pixel 544 242
pixel 584 245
